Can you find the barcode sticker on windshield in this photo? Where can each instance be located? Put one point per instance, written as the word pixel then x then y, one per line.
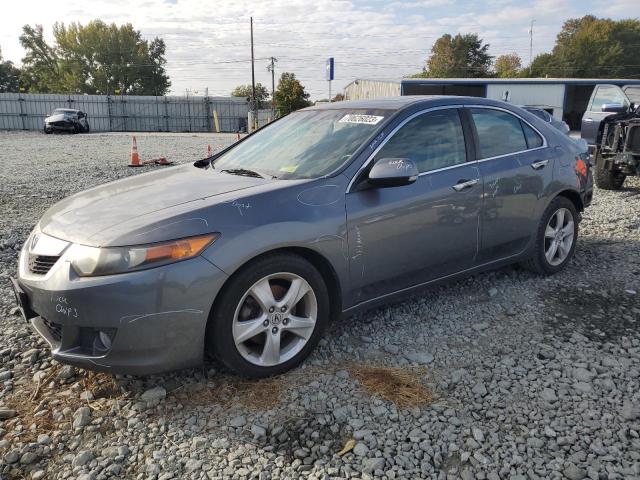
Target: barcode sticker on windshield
pixel 355 118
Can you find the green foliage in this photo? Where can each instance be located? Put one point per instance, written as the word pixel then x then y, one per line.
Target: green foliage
pixel 290 94
pixel 459 56
pixel 9 76
pixel 508 65
pixel 96 58
pixel 245 91
pixel 591 47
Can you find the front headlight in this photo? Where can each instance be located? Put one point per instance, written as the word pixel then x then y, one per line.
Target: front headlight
pixel 93 261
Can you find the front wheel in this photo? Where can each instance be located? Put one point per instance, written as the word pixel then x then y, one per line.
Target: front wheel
pixel 555 238
pixel 269 317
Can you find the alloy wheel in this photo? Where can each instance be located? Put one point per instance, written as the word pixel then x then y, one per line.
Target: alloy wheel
pixel 559 236
pixel 275 319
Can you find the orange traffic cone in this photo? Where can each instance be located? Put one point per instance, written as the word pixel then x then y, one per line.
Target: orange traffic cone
pixel 209 151
pixel 135 159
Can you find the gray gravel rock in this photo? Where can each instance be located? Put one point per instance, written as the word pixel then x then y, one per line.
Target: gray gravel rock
pixel 81 417
pixel 82 458
pixel 239 421
pixel 370 465
pixel 422 358
pixel 154 396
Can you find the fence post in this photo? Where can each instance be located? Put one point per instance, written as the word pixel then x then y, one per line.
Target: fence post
pixel 166 113
pixel 109 112
pixel 208 113
pixel 21 101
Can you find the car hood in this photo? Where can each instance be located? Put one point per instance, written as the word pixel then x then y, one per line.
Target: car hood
pixel 55 118
pixel 85 216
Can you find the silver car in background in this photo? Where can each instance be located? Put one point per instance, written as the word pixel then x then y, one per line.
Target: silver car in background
pixel 543 114
pixel 331 210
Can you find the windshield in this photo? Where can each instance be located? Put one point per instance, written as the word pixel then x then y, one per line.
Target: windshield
pixel 306 144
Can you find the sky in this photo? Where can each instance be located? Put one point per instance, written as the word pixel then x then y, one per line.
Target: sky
pixel 208 42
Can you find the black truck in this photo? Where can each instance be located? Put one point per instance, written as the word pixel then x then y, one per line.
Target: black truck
pixel 614 135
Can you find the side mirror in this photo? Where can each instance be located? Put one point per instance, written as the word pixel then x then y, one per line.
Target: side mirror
pixel 393 172
pixel 614 108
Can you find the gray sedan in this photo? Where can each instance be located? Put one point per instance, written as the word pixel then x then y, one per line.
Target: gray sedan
pixel 333 209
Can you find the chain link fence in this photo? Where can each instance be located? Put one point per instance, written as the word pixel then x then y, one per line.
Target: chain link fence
pixel 107 113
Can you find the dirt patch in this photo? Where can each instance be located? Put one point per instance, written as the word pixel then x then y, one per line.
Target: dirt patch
pixel 601 315
pixel 401 386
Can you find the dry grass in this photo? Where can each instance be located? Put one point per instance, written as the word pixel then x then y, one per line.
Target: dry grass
pixel 34 404
pixel 402 386
pixel 229 391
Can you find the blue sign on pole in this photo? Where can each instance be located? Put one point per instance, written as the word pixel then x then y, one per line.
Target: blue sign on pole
pixel 328 74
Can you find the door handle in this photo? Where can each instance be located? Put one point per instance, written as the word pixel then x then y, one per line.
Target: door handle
pixel 540 164
pixel 462 184
pixel 588 120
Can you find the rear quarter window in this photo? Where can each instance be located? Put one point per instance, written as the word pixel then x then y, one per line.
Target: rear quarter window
pixel 499 133
pixel 533 139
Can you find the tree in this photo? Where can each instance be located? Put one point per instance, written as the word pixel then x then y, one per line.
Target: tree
pixel 96 58
pixel 459 56
pixel 542 66
pixel 508 65
pixel 591 47
pixel 338 98
pixel 9 76
pixel 290 94
pixel 245 91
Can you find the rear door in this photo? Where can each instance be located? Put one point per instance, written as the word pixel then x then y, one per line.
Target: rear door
pixel 602 95
pixel 516 169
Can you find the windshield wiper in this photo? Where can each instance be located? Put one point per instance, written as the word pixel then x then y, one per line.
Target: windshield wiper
pixel 242 171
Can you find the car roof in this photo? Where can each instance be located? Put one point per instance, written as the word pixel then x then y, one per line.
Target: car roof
pixel 67 109
pixel 405 101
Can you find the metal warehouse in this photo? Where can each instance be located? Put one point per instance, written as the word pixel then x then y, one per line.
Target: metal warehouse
pixel 362 88
pixel 565 98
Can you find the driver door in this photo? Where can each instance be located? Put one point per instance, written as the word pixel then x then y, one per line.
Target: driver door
pixel 602 95
pixel 407 235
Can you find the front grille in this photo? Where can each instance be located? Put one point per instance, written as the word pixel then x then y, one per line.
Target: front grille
pixel 41 264
pixel 55 329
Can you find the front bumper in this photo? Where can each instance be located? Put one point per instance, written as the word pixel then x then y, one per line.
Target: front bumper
pixel 136 323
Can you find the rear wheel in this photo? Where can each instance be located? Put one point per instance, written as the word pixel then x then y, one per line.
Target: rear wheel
pixel 607 179
pixel 269 317
pixel 555 238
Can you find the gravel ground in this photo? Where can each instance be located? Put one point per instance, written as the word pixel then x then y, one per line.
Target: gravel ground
pixel 528 377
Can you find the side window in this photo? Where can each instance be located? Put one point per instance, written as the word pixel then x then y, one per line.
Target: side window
pixel 499 133
pixel 606 95
pixel 533 139
pixel 432 140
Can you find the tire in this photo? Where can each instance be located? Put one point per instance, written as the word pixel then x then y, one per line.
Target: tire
pixel 242 331
pixel 47 131
pixel 607 179
pixel 539 262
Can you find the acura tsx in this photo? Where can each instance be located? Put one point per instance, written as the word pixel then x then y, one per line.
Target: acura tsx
pixel 330 210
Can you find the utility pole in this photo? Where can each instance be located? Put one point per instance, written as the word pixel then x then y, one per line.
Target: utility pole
pixel 271 68
pixel 531 46
pixel 253 74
